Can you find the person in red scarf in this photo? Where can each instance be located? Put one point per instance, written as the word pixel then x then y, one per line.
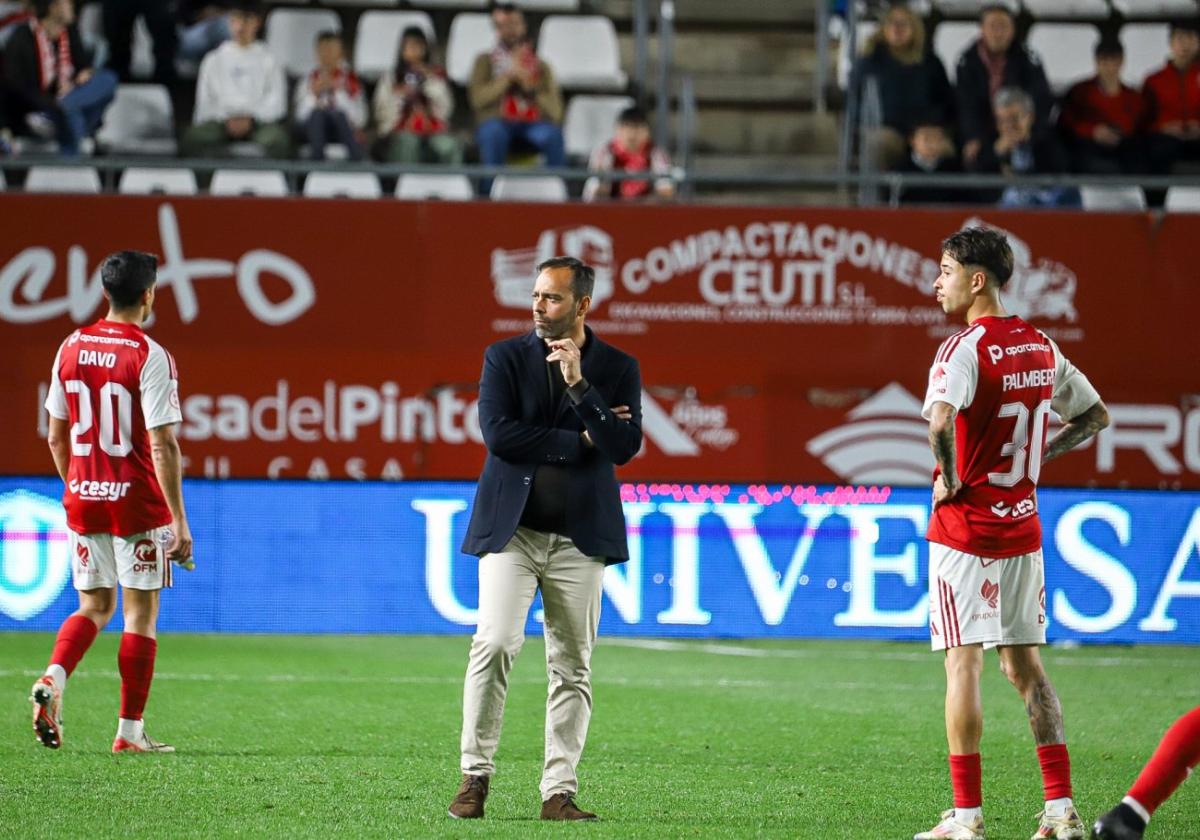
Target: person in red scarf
pixel 49 79
pixel 1102 118
pixel 413 103
pixel 630 150
pixel 330 103
pixel 514 95
pixel 1173 102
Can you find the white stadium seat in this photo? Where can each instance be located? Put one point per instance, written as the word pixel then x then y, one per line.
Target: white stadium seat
pixel 529 188
pixel 455 4
pixel 1183 200
pixel 590 120
pixel 549 5
pixel 582 51
pixel 139 121
pixel 292 36
pixel 137 180
pixel 389 3
pixel 1145 51
pixel 263 182
pixel 342 185
pixel 62 179
pixel 971 8
pixel 378 39
pixel 1156 8
pixel 1087 9
pixel 1067 51
pixel 3 185
pixel 470 34
pixel 1112 198
pixel 845 64
pixel 416 187
pixel 950 41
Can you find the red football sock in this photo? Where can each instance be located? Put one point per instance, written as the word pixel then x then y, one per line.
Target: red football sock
pixel 966 774
pixel 1177 753
pixel 136 662
pixel 1056 771
pixel 74 638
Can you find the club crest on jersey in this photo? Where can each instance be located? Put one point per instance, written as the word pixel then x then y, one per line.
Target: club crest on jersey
pixel 82 553
pixel 938 382
pixel 990 592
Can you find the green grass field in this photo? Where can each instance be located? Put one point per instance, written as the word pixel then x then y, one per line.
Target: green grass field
pixel 358 736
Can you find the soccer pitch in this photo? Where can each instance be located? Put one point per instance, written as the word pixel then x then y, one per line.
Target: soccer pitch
pixel 321 736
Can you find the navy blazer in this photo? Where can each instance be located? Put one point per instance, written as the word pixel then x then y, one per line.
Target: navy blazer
pixel 522 429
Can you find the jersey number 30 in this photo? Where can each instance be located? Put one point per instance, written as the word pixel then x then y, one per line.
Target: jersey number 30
pixel 1025 448
pixel 116 441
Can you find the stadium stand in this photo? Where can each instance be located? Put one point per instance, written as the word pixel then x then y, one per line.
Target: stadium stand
pixel 589 121
pixel 1087 9
pixel 950 39
pixel 378 39
pixel 583 52
pixel 138 180
pixel 342 185
pixel 1145 50
pixel 416 186
pixel 531 188
pixel 1155 8
pixel 1183 200
pixel 470 34
pixel 1066 51
pixel 140 121
pixel 291 33
pixel 1100 197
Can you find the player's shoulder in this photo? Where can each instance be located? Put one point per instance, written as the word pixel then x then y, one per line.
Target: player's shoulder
pixel 961 342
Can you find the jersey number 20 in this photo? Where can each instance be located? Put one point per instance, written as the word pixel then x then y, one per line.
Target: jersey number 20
pixel 116 441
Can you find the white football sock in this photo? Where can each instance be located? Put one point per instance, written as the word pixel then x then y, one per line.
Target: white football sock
pixel 967 816
pixel 58 674
pixel 130 730
pixel 1058 807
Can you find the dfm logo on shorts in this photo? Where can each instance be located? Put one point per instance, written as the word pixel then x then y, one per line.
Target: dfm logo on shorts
pixel 146 556
pixel 34 553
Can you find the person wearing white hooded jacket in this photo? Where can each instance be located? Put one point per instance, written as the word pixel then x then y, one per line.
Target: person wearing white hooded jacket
pixel 240 93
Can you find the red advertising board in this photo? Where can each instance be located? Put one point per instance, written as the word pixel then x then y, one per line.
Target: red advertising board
pixel 333 338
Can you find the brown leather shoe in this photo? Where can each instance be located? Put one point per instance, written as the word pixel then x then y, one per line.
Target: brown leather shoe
pixel 468 804
pixel 561 806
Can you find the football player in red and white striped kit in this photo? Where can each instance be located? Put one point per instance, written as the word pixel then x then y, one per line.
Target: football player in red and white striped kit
pixel 114 405
pixel 991 390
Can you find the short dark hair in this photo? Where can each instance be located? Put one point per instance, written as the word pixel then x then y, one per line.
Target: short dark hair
pixel 1187 24
pixel 1109 47
pixel 633 116
pixel 583 276
pixel 247 7
pixel 996 7
pixel 328 35
pixel 125 275
pixel 41 8
pixel 502 6
pixel 984 247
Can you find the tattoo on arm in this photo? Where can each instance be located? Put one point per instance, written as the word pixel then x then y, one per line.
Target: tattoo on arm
pixel 1078 430
pixel 1045 714
pixel 941 441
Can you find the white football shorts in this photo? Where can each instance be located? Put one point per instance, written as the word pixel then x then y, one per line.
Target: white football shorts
pixel 985 600
pixel 138 561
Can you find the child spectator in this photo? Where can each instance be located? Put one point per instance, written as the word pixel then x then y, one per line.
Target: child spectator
pixel 931 153
pixel 1101 117
pixel 413 103
pixel 630 150
pixel 1173 102
pixel 330 104
pixel 52 89
pixel 910 81
pixel 240 93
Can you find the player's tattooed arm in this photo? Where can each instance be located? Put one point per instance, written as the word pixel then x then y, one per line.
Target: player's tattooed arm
pixel 1077 430
pixel 941 441
pixel 1045 713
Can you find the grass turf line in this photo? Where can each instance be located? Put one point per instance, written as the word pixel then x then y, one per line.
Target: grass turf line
pixel 308 736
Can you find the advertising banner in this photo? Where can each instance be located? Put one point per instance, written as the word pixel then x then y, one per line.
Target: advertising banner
pixel 344 339
pixel 706 561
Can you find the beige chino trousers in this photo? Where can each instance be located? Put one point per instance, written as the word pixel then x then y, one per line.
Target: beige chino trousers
pixel 570 582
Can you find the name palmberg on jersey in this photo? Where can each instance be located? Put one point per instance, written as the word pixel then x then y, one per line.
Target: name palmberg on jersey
pixel 1028 379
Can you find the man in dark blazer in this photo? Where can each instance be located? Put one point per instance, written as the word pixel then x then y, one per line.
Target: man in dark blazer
pixel 559 409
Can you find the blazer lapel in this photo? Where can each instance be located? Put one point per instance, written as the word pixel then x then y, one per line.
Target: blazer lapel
pixel 535 357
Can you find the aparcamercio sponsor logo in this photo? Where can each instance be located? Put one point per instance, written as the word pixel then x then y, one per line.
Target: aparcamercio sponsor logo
pixel 34 553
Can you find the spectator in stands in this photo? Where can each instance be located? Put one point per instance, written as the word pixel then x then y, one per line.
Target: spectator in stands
pixel 1173 102
pixel 1017 149
pixel 908 79
pixel 1101 117
pixel 413 103
pixel 240 94
pixel 997 60
pixel 931 153
pixel 203 26
pixel 514 95
pixel 330 104
pixel 13 13
pixel 630 150
pixel 119 17
pixel 49 79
